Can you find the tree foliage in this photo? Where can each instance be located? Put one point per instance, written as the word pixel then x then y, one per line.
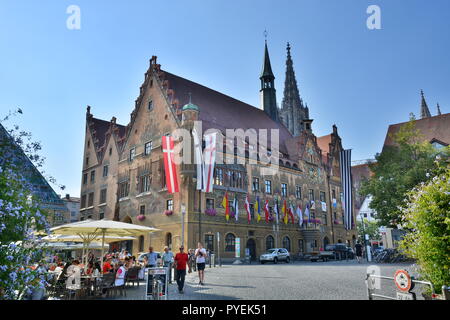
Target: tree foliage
pixel 426 216
pixel 368 227
pixel 20 215
pixel 397 170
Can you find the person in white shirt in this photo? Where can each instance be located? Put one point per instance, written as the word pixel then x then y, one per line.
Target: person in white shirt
pixel 74 275
pixel 200 255
pixel 120 274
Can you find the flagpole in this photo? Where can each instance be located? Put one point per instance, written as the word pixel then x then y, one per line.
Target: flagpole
pixel 199 215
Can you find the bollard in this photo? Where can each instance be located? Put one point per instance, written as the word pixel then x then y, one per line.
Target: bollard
pixel 445 293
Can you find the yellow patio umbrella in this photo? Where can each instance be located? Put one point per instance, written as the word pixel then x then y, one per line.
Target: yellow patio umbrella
pixel 89 230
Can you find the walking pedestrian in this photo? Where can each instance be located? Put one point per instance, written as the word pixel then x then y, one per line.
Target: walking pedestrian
pixel 167 260
pixel 200 255
pixel 358 251
pixel 180 261
pixel 192 263
pixel 152 258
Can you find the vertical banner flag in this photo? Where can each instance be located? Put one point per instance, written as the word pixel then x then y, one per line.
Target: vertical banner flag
pixel 300 215
pixel 266 210
pixel 198 158
pixel 226 206
pixel 169 164
pixel 210 158
pixel 275 208
pixel 284 210
pixel 307 213
pixel 345 166
pixel 291 213
pixel 257 210
pixel 235 208
pixel 247 208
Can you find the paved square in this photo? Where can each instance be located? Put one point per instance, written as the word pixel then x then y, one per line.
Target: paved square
pixel 339 280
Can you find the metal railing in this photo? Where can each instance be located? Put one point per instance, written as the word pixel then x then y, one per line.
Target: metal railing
pixel 370 284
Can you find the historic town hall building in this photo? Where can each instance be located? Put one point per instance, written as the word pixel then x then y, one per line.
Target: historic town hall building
pixel 123 170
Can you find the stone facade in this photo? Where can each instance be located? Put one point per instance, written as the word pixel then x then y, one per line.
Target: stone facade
pixel 136 183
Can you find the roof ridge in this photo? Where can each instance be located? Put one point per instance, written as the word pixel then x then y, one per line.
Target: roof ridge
pixel 221 93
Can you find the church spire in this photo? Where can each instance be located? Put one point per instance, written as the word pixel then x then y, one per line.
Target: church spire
pixel 293 111
pixel 424 111
pixel 439 110
pixel 267 68
pixel 268 92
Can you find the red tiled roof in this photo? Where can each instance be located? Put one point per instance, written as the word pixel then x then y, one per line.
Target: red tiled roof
pixel 100 128
pixel 222 112
pixel 324 143
pixel 433 128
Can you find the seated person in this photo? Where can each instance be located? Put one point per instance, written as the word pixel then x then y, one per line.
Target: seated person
pixel 107 267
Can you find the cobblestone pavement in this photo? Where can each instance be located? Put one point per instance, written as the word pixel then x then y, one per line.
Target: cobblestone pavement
pixel 295 281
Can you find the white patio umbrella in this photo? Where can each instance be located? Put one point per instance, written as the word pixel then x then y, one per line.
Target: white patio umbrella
pixel 91 229
pixel 75 238
pixel 73 246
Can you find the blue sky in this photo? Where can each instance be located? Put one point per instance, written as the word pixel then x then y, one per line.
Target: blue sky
pixel 359 79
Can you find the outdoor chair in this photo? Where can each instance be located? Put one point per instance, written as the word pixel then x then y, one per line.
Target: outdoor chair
pixel 132 276
pixel 107 283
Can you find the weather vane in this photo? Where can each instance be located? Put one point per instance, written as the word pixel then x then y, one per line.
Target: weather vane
pixel 265 34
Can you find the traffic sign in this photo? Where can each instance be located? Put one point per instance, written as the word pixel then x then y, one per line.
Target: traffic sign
pixel 402 280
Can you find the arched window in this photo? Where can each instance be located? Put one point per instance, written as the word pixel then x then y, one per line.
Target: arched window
pixel 169 240
pixel 141 243
pixel 270 242
pixel 230 242
pixel 287 243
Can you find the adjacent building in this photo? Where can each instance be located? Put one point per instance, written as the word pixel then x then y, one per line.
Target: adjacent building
pixel 40 188
pixel 123 174
pixel 73 208
pixel 432 129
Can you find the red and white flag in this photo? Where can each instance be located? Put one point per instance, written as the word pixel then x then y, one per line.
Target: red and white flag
pixel 266 210
pixel 169 164
pixel 210 159
pixel 247 208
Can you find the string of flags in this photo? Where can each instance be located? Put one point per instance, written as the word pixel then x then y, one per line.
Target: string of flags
pixel 205 162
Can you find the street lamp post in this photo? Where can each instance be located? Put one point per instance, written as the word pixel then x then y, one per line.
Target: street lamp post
pixel 183 213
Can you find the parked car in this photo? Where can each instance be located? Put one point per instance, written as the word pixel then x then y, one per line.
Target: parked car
pixel 142 254
pixel 274 255
pixel 322 255
pixel 339 250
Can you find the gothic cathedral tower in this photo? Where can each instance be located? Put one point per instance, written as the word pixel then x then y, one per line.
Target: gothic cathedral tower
pixel 294 114
pixel 268 93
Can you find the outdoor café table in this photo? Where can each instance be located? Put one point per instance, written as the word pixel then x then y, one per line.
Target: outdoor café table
pixel 90 283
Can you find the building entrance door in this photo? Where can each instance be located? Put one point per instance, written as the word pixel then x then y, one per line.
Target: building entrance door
pixel 251 245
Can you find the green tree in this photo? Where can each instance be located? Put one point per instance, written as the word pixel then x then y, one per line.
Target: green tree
pixel 427 217
pixel 20 214
pixel 397 170
pixel 369 227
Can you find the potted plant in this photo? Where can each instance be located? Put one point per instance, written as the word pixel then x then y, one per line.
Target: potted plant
pixel 211 212
pixel 141 217
pixel 168 212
